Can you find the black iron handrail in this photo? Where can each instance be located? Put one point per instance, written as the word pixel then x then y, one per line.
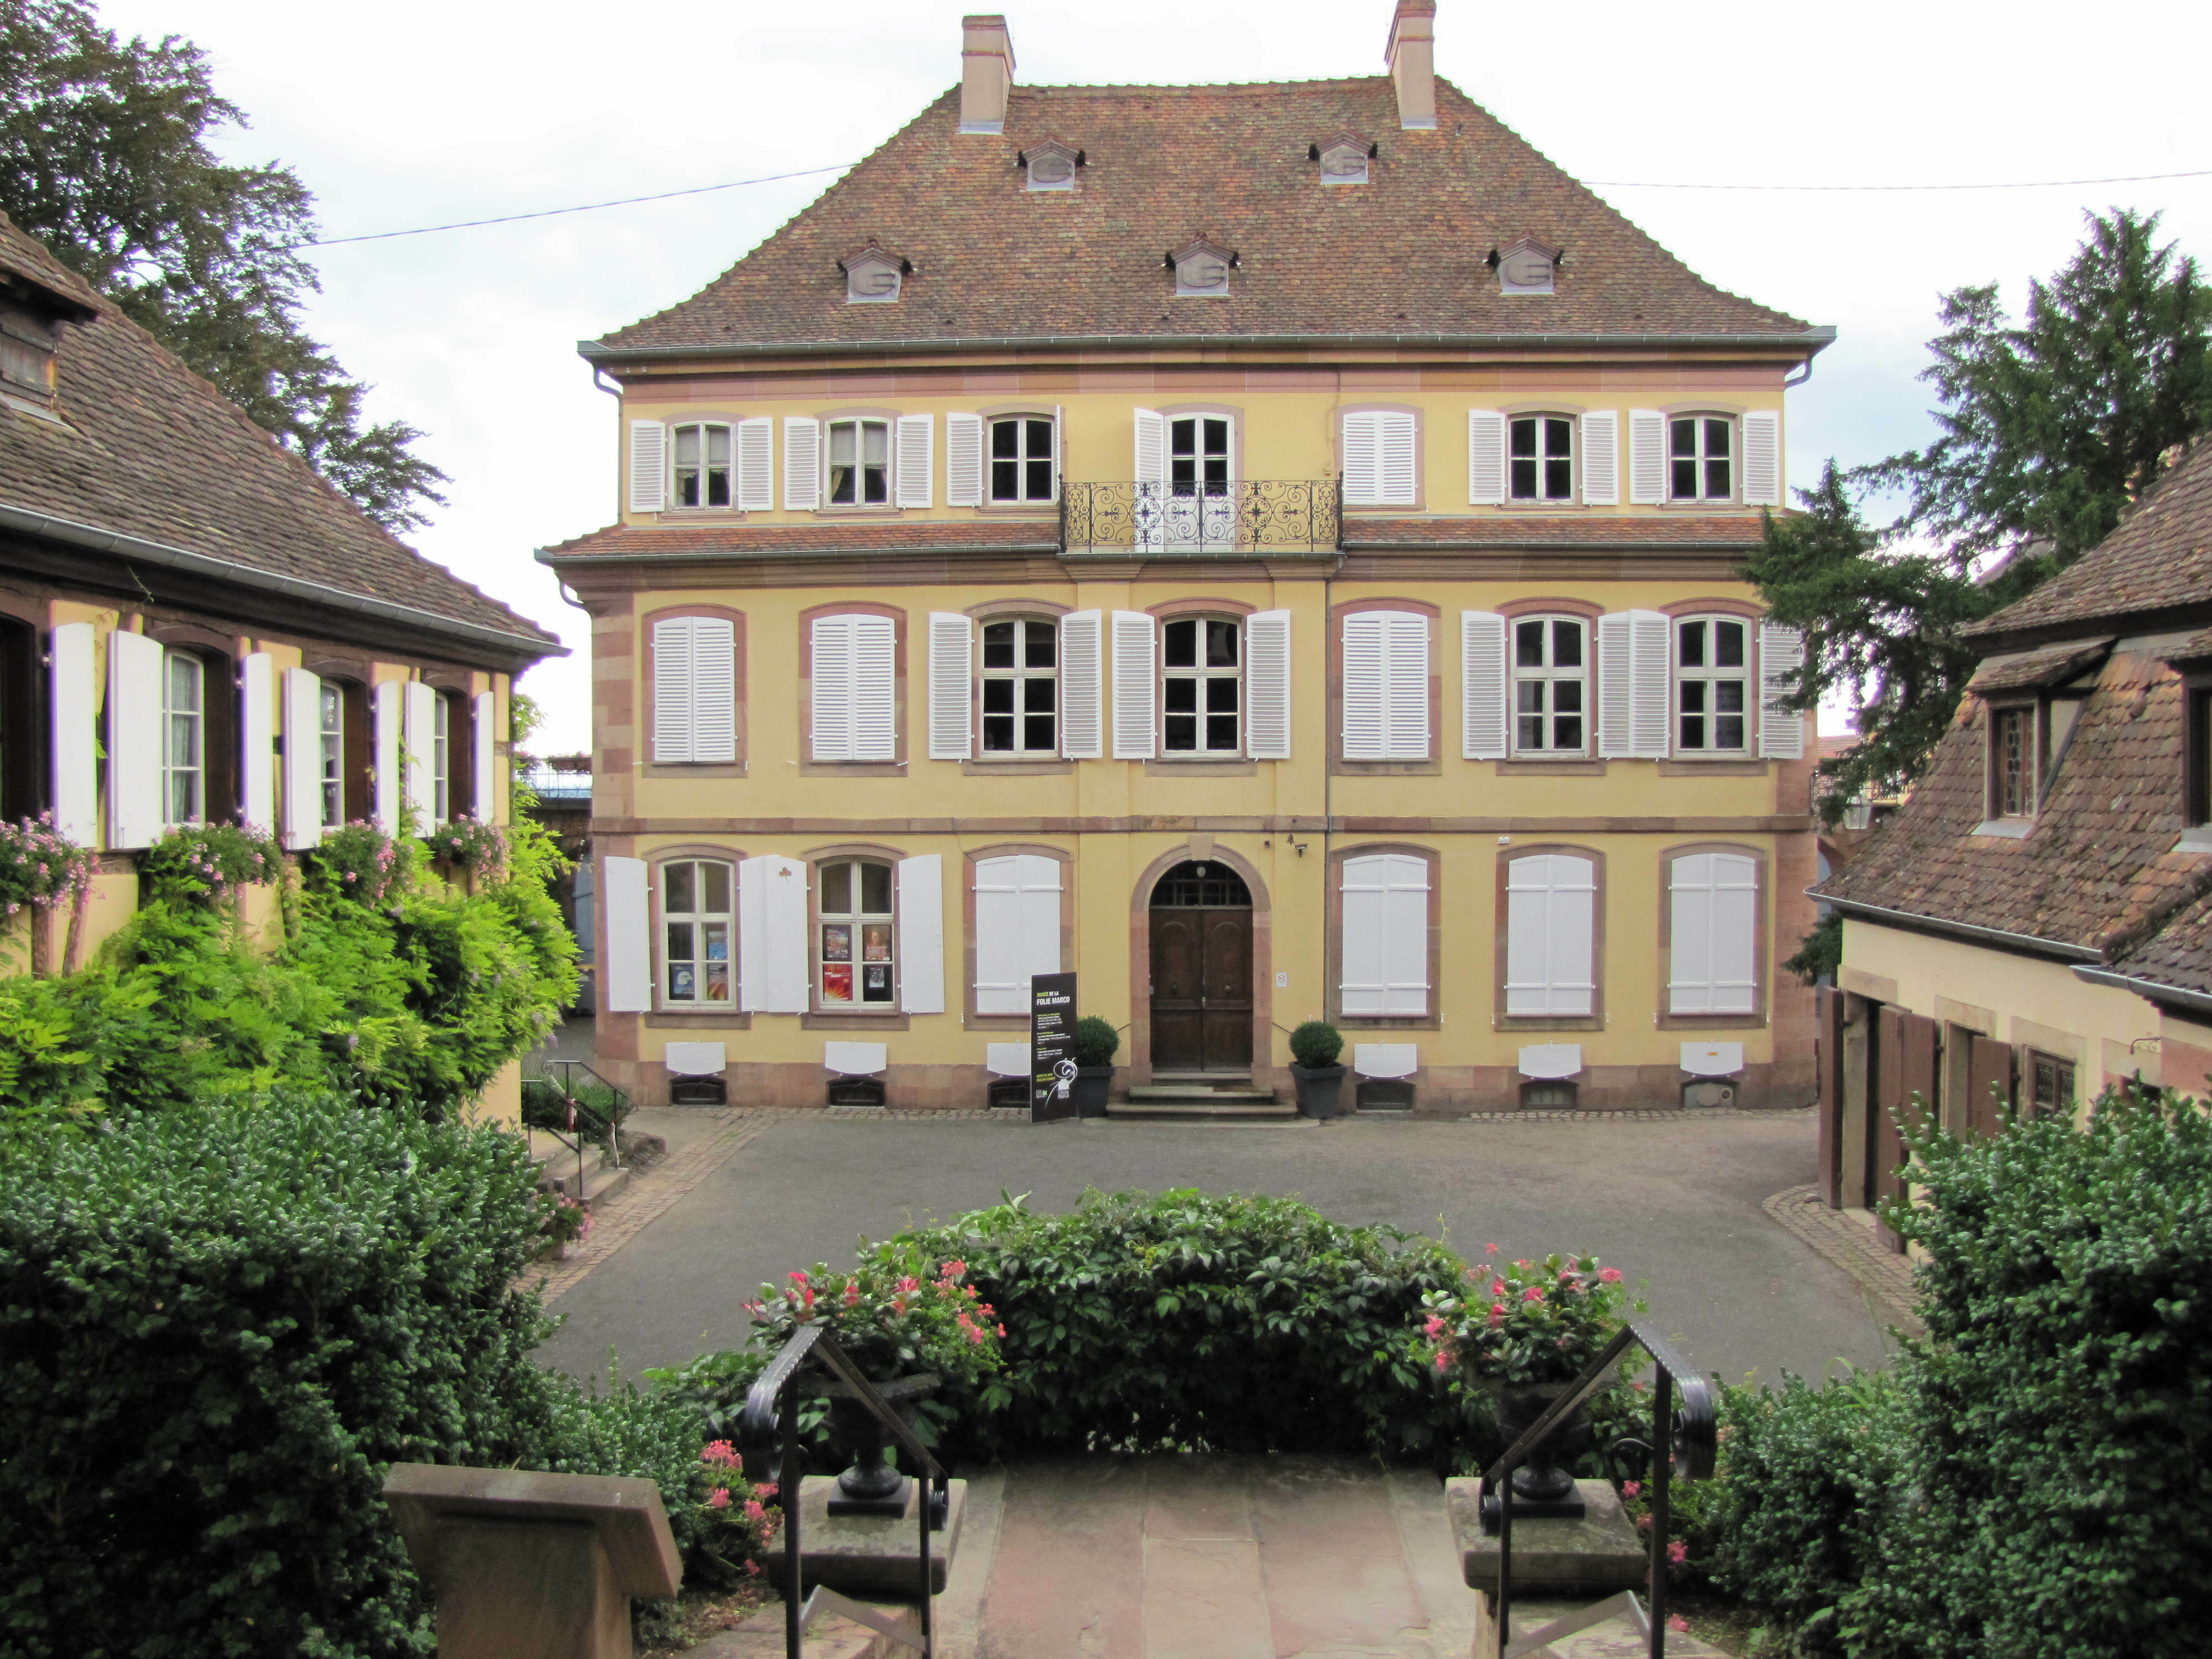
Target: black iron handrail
pixel 606 1123
pixel 1263 516
pixel 1682 1442
pixel 771 1417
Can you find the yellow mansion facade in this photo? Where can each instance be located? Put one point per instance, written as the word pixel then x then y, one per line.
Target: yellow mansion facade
pixel 1270 550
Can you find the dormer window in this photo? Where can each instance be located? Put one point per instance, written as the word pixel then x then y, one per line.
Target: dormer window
pixel 1343 159
pixel 1201 270
pixel 31 318
pixel 1051 165
pixel 873 275
pixel 1527 267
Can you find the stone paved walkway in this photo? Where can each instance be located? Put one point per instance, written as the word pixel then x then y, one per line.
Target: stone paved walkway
pixel 1846 1238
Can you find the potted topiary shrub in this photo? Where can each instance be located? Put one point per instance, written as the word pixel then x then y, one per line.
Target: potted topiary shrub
pixel 1096 1040
pixel 1315 1047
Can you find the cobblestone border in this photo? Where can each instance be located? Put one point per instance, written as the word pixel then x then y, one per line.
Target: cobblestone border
pixel 1849 1243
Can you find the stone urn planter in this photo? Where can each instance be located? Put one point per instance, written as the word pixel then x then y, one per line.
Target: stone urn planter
pixel 873 1486
pixel 1543 1488
pixel 1320 1089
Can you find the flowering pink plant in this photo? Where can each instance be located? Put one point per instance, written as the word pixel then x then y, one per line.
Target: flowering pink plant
pixel 735 1527
pixel 1531 1321
pixel 40 866
pixel 899 1313
pixel 357 861
pixel 208 863
pixel 468 844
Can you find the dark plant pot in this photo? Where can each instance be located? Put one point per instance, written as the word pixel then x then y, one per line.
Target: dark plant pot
pixel 1091 1082
pixel 873 1486
pixel 1321 1089
pixel 1544 1487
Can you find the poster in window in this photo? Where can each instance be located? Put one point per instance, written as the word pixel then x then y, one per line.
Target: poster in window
pixel 876 985
pixel 680 982
pixel 718 946
pixel 837 983
pixel 718 982
pixel 838 944
pixel 876 942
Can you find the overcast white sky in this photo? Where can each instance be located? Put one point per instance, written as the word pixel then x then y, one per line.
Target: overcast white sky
pixel 414 112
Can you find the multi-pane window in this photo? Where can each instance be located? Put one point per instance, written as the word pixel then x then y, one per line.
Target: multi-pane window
pixel 1201 693
pixel 702 465
pixel 1021 688
pixel 1712 685
pixel 697 928
pixel 1021 459
pixel 1700 453
pixel 2012 791
pixel 184 754
pixel 1550 686
pixel 330 731
pixel 860 463
pixel 1198 455
pixel 2053 1087
pixel 442 758
pixel 857 964
pixel 1541 459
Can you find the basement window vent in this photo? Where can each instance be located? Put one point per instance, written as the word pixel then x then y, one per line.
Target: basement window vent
pixel 1051 165
pixel 1527 267
pixel 874 276
pixel 1201 269
pixel 1344 159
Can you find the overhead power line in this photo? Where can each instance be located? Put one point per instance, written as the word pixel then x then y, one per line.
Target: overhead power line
pixel 1598 184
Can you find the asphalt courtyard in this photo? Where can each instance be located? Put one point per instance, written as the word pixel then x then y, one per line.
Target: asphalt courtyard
pixel 1674 1203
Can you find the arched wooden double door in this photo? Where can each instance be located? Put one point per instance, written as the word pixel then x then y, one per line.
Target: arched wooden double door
pixel 1201 928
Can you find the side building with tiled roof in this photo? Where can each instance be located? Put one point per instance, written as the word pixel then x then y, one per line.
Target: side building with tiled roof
pixel 2034 924
pixel 196 629
pixel 1272 551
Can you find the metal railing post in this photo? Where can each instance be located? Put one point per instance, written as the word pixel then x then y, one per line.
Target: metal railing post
pixel 1505 1563
pixel 1662 1459
pixel 788 1485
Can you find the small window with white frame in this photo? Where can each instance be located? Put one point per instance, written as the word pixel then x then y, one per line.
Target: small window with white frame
pixel 1021 687
pixel 698 931
pixel 1713 685
pixel 183 753
pixel 2014 754
pixel 856 964
pixel 1551 685
pixel 1540 458
pixel 1701 458
pixel 442 758
pixel 1202 685
pixel 860 463
pixel 330 723
pixel 1022 458
pixel 701 459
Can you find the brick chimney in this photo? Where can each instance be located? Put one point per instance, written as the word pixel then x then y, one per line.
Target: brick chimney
pixel 1413 59
pixel 987 73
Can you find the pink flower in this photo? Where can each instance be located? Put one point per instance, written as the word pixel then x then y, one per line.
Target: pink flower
pixel 1002 1330
pixel 1608 1276
pixel 719 1499
pixel 755 1512
pixel 1679 1624
pixel 909 1284
pixel 722 1452
pixel 766 1489
pixel 753 1569
pixel 852 1291
pixel 1435 1326
pixel 1443 1360
pixel 1490 1250
pixel 1632 1488
pixel 1497 1315
pixel 1534 1293
pixel 1644 1523
pixel 1679 1552
pixel 1637 1385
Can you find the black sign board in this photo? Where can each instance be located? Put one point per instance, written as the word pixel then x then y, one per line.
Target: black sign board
pixel 1052 1047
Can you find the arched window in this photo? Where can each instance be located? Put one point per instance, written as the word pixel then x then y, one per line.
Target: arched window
pixel 1551 935
pixel 1551 685
pixel 1712 967
pixel 698 934
pixel 856 963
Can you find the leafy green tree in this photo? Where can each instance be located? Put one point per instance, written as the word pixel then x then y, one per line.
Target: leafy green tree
pixel 105 156
pixel 2047 429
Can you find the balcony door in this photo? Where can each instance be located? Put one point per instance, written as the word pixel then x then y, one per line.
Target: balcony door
pixel 1201 498
pixel 1201 1003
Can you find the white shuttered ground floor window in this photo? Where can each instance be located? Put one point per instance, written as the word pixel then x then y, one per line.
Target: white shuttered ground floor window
pixel 1713 927
pixel 1551 925
pixel 1385 941
pixel 1017 909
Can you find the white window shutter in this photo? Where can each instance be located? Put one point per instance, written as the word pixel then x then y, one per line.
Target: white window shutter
pixel 626 942
pixel 756 440
pixel 303 758
pixel 648 466
pixel 672 723
pixel 772 936
pixel 1781 654
pixel 1485 458
pixel 1762 458
pixel 802 463
pixel 1017 929
pixel 951 685
pixel 714 691
pixel 257 742
pixel 1151 471
pixel 921 934
pixel 1634 680
pixel 1601 436
pixel 1397 458
pixel 73 730
pixel 1485 699
pixel 1267 685
pixel 917 464
pixel 1384 950
pixel 135 736
pixel 1408 682
pixel 831 672
pixel 1366 728
pixel 875 689
pixel 483 745
pixel 1363 477
pixel 384 713
pixel 1133 681
pixel 1713 953
pixel 421 707
pixel 1082 691
pixel 1647 457
pixel 963 460
pixel 1551 908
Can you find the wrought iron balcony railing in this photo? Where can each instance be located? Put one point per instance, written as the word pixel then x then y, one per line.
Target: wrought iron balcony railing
pixel 1268 515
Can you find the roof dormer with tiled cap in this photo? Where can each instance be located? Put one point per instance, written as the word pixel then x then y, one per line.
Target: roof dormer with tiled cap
pixel 1050 163
pixel 1202 268
pixel 873 274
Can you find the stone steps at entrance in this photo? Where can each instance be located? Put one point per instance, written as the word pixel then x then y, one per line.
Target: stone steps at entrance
pixel 1247 1111
pixel 1167 1094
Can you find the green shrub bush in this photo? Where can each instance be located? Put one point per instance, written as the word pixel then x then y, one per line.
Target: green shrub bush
pixel 218 1324
pixel 1096 1040
pixel 1316 1043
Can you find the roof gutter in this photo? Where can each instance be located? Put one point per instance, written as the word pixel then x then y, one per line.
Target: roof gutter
pixel 2031 943
pixel 548 555
pixel 2149 989
pixel 596 352
pixel 1527 543
pixel 203 564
